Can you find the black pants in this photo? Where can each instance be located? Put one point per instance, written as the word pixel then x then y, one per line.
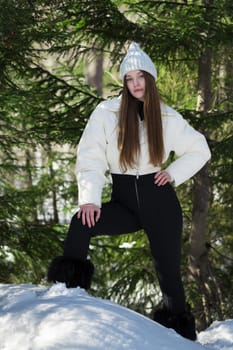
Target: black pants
pixel 137 203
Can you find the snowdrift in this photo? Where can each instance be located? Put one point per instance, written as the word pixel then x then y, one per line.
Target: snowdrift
pixel 56 318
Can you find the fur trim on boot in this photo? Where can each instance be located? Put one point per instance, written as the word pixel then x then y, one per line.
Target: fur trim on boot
pixel 183 323
pixel 163 316
pixel 73 272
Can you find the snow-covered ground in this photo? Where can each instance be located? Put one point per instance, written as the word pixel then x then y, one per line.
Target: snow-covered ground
pixel 56 318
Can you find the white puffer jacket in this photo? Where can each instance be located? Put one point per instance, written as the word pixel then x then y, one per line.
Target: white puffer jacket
pixel 98 151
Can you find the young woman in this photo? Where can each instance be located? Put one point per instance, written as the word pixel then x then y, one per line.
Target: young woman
pixel 132 137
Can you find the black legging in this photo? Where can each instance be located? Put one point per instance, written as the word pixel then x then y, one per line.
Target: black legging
pixel 137 203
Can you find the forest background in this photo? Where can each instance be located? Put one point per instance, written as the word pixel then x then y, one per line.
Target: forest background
pixel 58 60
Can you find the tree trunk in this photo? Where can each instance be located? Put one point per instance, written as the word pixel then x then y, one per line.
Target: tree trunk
pixel 53 186
pixel 201 195
pixel 94 71
pixel 29 181
pixel 200 267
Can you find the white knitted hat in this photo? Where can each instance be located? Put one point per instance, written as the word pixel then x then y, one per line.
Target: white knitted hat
pixel 136 59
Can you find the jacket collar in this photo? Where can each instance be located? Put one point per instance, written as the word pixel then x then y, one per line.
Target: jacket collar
pixel 112 104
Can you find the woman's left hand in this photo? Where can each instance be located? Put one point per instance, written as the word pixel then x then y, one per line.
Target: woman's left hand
pixel 162 177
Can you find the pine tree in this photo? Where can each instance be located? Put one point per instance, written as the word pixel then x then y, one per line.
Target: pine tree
pixel 45 103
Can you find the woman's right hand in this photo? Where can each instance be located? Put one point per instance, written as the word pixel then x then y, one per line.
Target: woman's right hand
pixel 90 214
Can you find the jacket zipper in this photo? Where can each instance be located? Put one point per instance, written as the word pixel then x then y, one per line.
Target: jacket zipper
pixel 136 189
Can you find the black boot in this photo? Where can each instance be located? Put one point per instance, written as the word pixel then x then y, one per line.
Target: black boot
pixel 183 323
pixel 163 316
pixel 73 272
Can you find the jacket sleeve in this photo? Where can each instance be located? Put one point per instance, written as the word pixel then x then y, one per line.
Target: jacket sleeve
pixel 91 162
pixel 190 147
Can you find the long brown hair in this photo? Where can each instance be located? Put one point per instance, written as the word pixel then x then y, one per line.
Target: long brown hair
pixel 128 136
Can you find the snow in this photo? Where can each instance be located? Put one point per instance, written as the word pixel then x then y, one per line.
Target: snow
pixel 56 318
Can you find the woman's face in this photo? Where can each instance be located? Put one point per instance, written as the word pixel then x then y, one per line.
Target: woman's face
pixel 136 84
